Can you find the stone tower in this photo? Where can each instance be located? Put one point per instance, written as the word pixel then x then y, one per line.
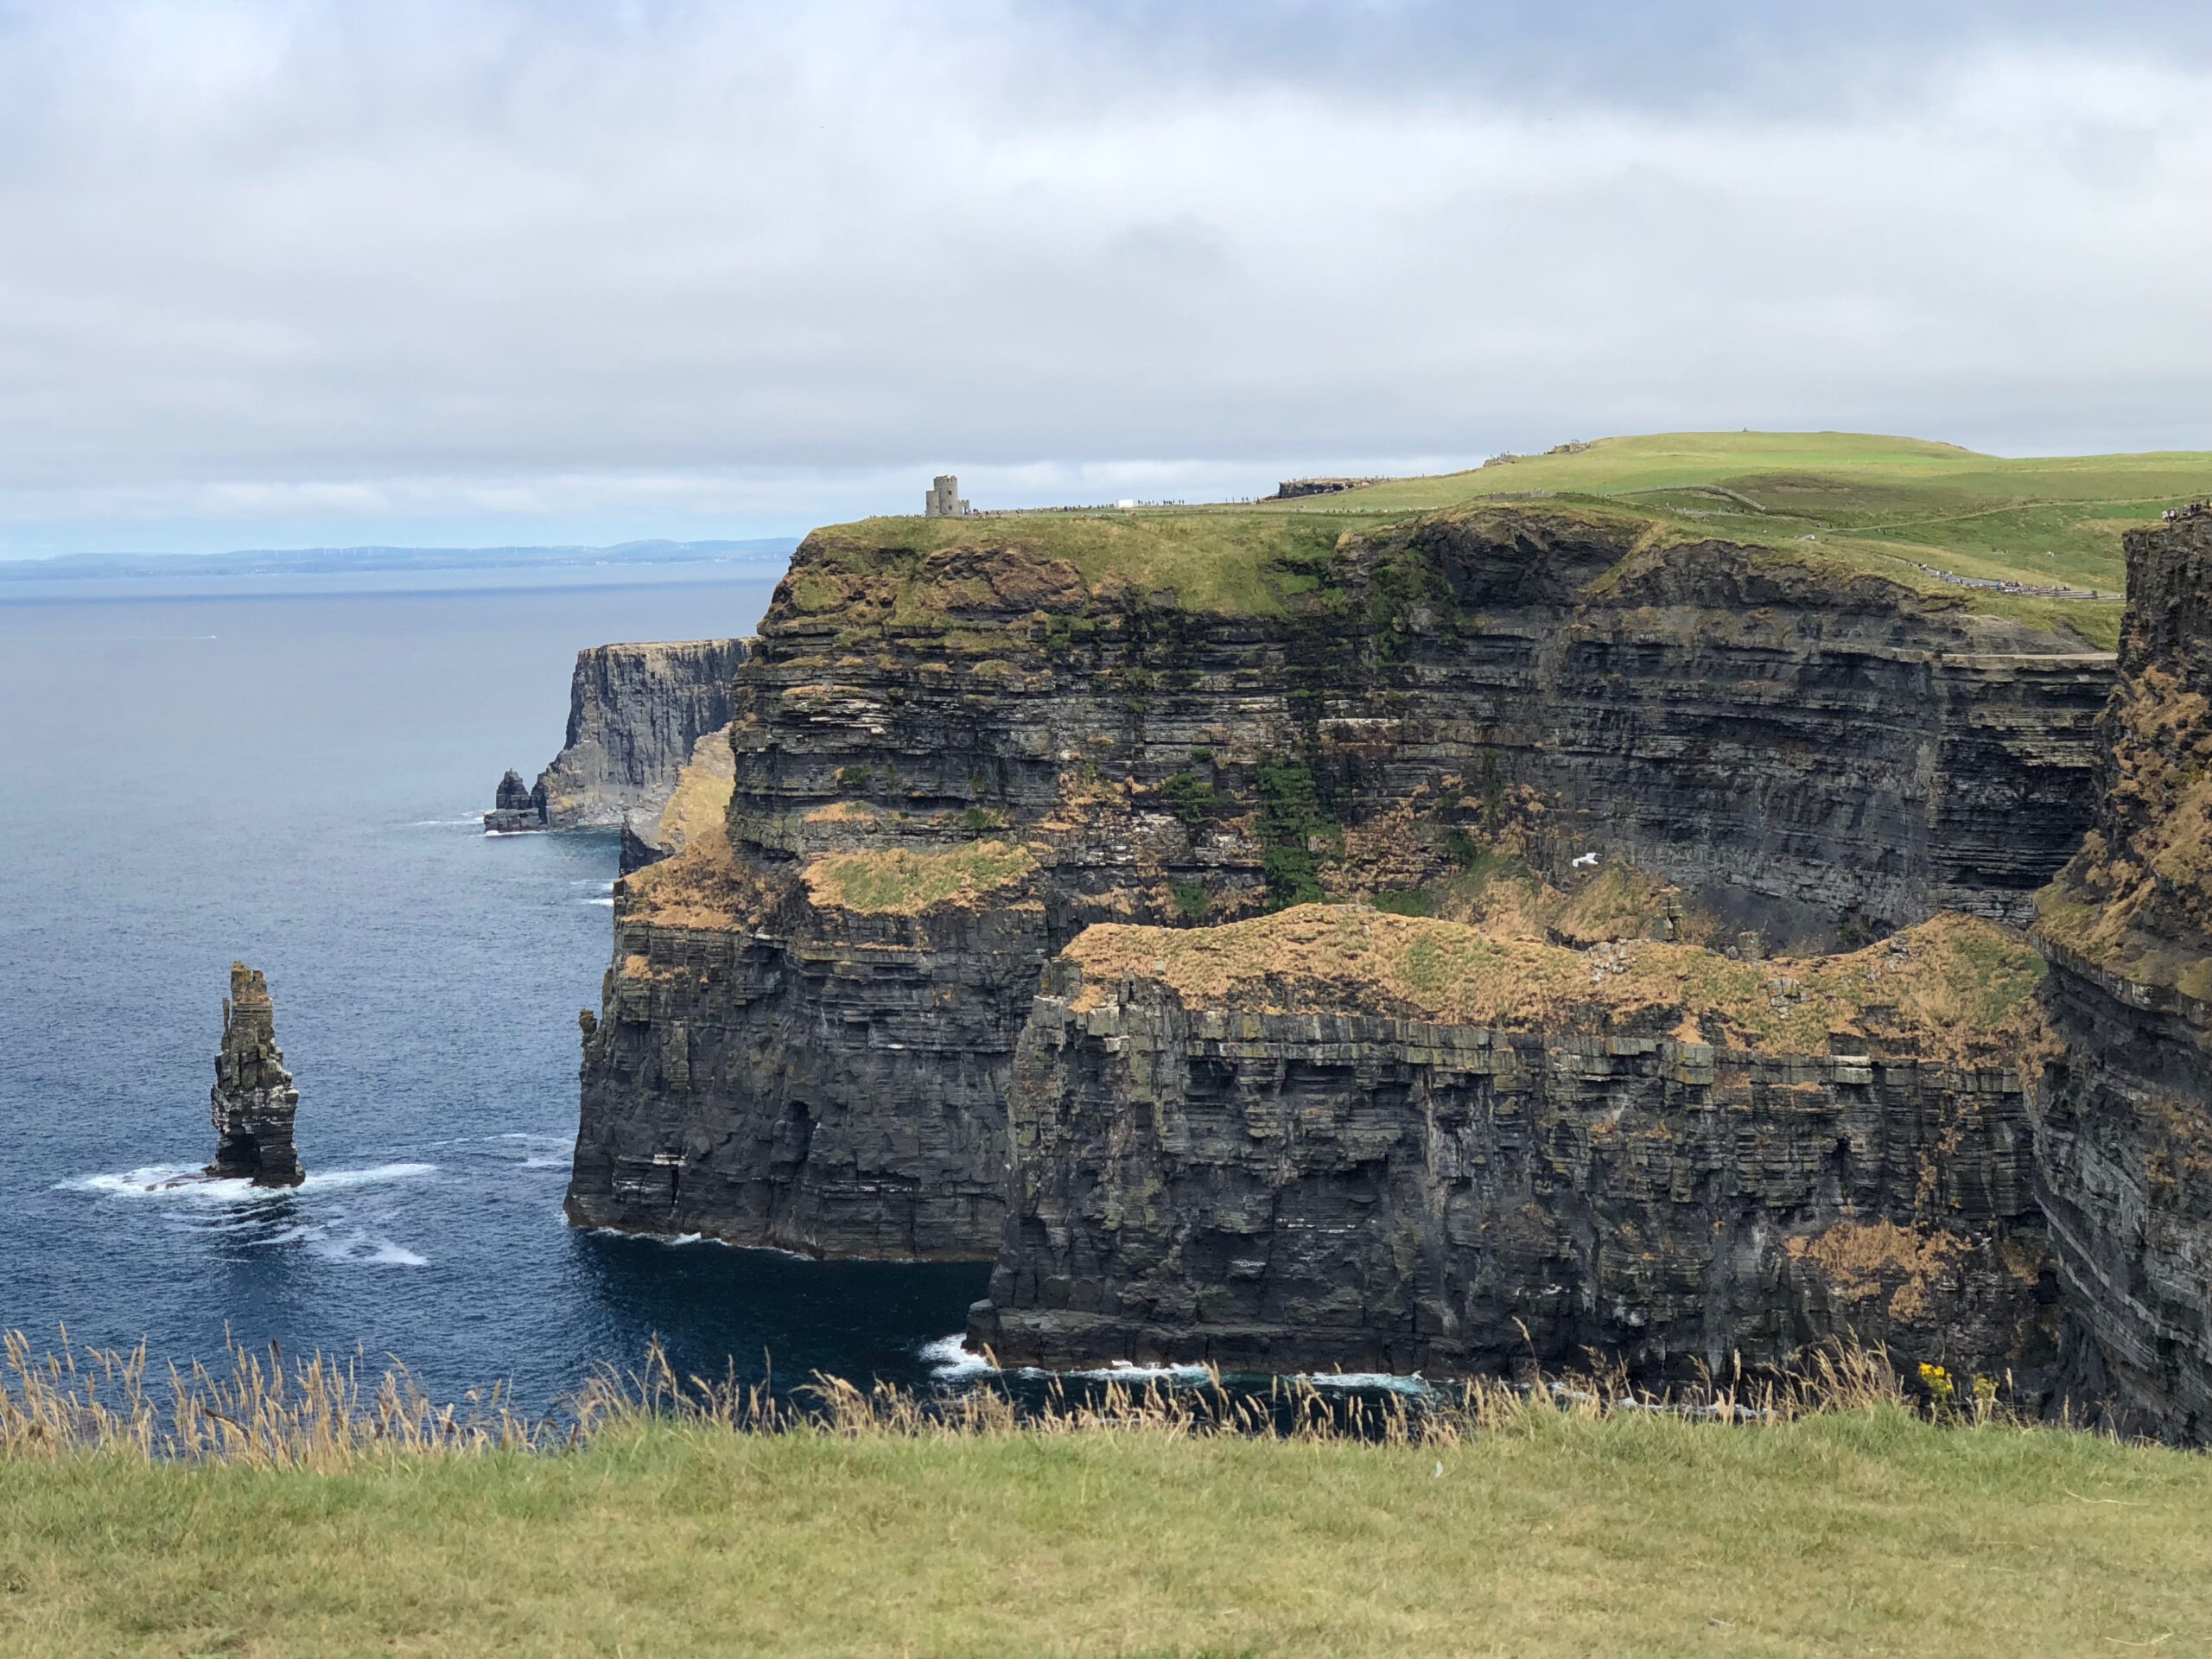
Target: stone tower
pixel 943 500
pixel 253 1100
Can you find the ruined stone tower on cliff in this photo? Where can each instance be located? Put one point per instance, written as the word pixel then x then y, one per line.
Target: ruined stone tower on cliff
pixel 253 1101
pixel 943 500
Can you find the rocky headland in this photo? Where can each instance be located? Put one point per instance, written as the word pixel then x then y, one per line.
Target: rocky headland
pixel 956 746
pixel 1520 929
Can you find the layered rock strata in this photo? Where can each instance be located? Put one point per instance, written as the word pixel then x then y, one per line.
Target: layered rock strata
pixel 2124 1136
pixel 635 714
pixel 1181 737
pixel 827 1077
pixel 1338 1138
pixel 253 1101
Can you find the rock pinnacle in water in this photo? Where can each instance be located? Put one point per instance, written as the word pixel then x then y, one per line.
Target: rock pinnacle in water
pixel 253 1100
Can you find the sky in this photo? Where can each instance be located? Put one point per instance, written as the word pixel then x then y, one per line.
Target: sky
pixel 305 273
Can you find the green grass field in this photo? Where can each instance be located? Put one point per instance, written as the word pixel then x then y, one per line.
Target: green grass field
pixel 1854 1532
pixel 2055 521
pixel 1915 511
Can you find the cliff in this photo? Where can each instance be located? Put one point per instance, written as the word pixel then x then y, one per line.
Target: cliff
pixel 254 1102
pixel 1185 721
pixel 2124 1131
pixel 635 714
pixel 1336 1137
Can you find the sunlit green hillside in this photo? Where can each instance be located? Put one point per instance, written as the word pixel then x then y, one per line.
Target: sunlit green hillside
pixel 2048 521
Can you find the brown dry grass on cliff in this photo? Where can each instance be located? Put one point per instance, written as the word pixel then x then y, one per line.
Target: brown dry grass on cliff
pixel 901 883
pixel 704 886
pixel 2143 907
pixel 700 802
pixel 1954 987
pixel 265 1410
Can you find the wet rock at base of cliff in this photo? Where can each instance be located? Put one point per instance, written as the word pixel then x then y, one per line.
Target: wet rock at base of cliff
pixel 254 1102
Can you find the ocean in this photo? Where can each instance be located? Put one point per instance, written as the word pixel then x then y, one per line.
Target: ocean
pixel 289 771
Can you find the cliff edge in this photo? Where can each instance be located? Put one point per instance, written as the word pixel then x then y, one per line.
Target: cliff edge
pixel 1337 1137
pixel 2123 1136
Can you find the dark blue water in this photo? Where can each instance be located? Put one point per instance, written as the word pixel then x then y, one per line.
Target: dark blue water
pixel 293 779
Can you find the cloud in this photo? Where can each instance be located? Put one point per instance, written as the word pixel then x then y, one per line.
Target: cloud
pixel 659 268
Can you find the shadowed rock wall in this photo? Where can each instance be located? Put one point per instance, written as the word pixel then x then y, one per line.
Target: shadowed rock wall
pixel 2125 1120
pixel 1274 1191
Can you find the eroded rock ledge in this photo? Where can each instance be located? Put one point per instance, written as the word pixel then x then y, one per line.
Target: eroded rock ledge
pixel 1338 1137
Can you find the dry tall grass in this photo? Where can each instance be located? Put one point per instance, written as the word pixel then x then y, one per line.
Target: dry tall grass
pixel 321 1412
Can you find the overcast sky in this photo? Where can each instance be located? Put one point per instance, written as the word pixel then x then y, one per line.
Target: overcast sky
pixel 277 272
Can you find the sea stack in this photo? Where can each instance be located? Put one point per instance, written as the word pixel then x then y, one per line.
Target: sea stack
pixel 516 805
pixel 253 1099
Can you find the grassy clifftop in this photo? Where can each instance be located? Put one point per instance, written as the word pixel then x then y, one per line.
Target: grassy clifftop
pixel 2052 519
pixel 1930 517
pixel 1849 1533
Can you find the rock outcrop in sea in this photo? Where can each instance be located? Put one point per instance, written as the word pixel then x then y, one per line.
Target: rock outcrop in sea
pixel 254 1102
pixel 516 806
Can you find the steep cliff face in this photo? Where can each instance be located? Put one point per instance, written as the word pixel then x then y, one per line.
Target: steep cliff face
pixel 812 1064
pixel 2124 1130
pixel 1179 722
pixel 1336 1137
pixel 635 713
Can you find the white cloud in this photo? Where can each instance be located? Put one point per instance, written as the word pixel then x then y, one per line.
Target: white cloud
pixel 484 270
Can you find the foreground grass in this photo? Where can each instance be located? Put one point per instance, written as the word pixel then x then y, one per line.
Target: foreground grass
pixel 1848 1532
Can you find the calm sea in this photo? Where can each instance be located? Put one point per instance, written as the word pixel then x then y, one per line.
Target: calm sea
pixel 293 778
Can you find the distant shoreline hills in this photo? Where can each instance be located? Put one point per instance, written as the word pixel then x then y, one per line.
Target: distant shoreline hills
pixel 351 561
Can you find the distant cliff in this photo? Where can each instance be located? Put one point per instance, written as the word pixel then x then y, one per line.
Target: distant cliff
pixel 2124 1139
pixel 635 713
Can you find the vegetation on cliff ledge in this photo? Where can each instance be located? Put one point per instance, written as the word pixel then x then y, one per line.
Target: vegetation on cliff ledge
pixel 1954 987
pixel 903 883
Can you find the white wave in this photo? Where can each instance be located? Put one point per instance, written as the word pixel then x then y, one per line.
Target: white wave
pixel 609 903
pixel 361 1249
pixel 180 1181
pixel 949 1359
pixel 702 1238
pixel 1415 1383
pixel 186 1183
pixel 1122 1370
pixel 323 1180
pixel 444 823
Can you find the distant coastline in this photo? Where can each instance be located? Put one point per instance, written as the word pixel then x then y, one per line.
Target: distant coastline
pixel 328 561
